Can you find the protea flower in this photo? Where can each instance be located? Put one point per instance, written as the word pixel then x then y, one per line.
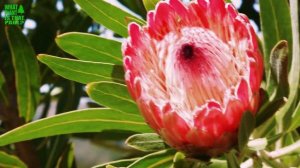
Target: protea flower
pixel 193 70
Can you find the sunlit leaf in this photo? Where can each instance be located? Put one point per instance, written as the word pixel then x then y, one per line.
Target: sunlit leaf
pixel 10 161
pixel 146 142
pixel 112 95
pixel 89 120
pixel 107 14
pixel 90 47
pixel 26 72
pixel 155 160
pixel 150 4
pixel 83 71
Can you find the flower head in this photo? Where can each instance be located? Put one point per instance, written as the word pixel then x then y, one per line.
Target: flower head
pixel 193 70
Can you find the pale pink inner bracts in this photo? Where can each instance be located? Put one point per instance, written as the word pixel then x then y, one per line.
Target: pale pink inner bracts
pixel 193 70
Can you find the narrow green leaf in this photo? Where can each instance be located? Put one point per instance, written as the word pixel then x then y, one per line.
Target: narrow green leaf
pixel 276 26
pixel 279 67
pixel 10 161
pixel 268 110
pixel 294 77
pixel 3 91
pixel 89 47
pixel 150 4
pixel 2 80
pixel 155 160
pixel 147 142
pixel 295 118
pixel 108 15
pixel 83 71
pixel 26 72
pixel 118 163
pixel 246 127
pixel 89 120
pixel 232 161
pixel 112 95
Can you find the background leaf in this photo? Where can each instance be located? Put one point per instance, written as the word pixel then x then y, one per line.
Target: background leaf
pixel 10 161
pixel 108 15
pixel 118 163
pixel 296 118
pixel 155 160
pixel 276 26
pixel 90 120
pixel 232 161
pixel 150 4
pixel 26 72
pixel 83 71
pixel 90 47
pixel 147 142
pixel 112 95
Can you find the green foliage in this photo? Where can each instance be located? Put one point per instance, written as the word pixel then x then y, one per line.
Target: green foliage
pixel 10 161
pixel 276 26
pixel 26 72
pixel 99 66
pixel 112 95
pixel 83 71
pixel 158 159
pixel 108 15
pixel 90 47
pixel 146 142
pixel 90 120
pixel 150 4
pixel 246 127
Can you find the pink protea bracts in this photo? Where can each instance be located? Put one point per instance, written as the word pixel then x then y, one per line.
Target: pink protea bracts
pixel 193 70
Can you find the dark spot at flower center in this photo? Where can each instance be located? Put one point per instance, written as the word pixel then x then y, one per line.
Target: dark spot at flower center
pixel 187 51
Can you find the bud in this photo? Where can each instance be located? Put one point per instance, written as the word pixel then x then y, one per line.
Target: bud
pixel 193 70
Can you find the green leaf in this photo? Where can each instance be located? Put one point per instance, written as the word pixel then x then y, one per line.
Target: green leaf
pixel 108 15
pixel 159 159
pixel 83 71
pixel 150 4
pixel 118 163
pixel 2 80
pixel 3 91
pixel 295 118
pixel 268 110
pixel 112 95
pixel 294 77
pixel 89 120
pixel 247 125
pixel 279 67
pixel 276 26
pixel 232 161
pixel 90 47
pixel 147 142
pixel 10 161
pixel 26 72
